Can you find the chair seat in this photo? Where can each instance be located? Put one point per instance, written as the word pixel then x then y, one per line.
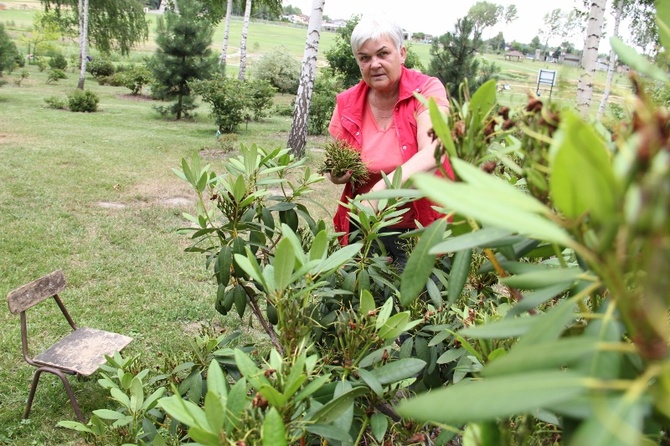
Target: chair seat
pixel 83 350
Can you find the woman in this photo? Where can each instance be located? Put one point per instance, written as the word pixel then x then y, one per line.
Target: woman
pixel 382 119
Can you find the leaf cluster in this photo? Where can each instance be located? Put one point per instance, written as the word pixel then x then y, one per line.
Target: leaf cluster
pixel 341 158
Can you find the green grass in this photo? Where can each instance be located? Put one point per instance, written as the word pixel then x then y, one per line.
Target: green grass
pixel 91 194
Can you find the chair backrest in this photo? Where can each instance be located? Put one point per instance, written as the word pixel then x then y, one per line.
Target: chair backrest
pixel 35 292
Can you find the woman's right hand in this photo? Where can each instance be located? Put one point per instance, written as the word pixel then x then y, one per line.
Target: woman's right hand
pixel 343 179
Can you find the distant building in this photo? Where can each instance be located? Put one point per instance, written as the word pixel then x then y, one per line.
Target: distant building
pixel 299 19
pixel 514 55
pixel 573 60
pixel 334 25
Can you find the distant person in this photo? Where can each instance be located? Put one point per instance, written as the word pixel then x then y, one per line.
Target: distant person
pixel 381 118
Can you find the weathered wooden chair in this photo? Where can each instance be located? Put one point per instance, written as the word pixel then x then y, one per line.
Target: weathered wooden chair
pixel 81 352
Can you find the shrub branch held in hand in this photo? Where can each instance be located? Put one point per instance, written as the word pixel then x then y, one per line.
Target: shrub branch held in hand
pixel 341 158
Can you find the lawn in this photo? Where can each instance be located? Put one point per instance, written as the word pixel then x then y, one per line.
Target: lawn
pixel 95 195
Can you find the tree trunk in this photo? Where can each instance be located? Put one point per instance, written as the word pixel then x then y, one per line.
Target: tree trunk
pixel 243 42
pixel 83 41
pixel 226 34
pixel 590 56
pixel 613 59
pixel 298 135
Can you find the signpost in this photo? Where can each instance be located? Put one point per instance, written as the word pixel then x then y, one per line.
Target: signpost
pixel 546 77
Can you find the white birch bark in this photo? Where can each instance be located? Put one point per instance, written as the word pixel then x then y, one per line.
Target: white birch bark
pixel 83 41
pixel 612 64
pixel 226 34
pixel 243 41
pixel 590 56
pixel 298 135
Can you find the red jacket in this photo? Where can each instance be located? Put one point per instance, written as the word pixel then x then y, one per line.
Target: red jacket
pixel 350 104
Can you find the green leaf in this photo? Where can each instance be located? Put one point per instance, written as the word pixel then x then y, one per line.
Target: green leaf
pixel 119 396
pixel 274 397
pixel 312 387
pixel 288 234
pixel 338 258
pixel 394 325
pixel 582 179
pixel 367 303
pixel 330 432
pixel 538 297
pixel 345 420
pixel 619 422
pixel 75 425
pixel 441 127
pixel 273 431
pixel 239 189
pixel 637 61
pixel 489 399
pixel 136 395
pixel 542 279
pixel 187 171
pixel 292 385
pixel 500 329
pixel 183 411
pixel 379 424
pixel 150 402
pixel 319 246
pixel 398 370
pixel 483 101
pixel 551 324
pixel 235 405
pixel 492 207
pixel 107 414
pixel 250 371
pixel 375 356
pixel 330 411
pixel 214 411
pixel 460 269
pixel 663 22
pixel 283 264
pixel 203 436
pixel 451 355
pixel 498 188
pixel 251 160
pixel 384 313
pixel 216 381
pixel 371 380
pixel 420 263
pixel 544 356
pixel 474 239
pixel 223 263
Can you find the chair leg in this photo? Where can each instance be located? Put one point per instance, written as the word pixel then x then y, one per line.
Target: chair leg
pixel 66 384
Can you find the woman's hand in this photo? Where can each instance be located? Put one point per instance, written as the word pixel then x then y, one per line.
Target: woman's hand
pixel 343 179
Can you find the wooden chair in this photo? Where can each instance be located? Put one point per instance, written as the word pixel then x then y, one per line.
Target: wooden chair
pixel 81 352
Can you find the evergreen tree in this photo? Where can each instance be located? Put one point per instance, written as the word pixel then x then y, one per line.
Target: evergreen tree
pixel 453 57
pixel 8 52
pixel 183 37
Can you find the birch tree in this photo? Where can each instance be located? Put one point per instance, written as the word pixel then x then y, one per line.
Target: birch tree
pixel 613 58
pixel 83 41
pixel 298 135
pixel 590 56
pixel 243 41
pixel 226 34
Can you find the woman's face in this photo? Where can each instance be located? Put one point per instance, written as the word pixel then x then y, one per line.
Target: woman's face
pixel 381 63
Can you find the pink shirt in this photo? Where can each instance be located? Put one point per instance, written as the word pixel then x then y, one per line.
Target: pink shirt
pixel 380 150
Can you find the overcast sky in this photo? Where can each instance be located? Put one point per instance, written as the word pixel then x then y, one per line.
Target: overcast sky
pixel 438 17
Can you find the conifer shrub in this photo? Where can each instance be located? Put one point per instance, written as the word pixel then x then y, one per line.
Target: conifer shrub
pixel 83 101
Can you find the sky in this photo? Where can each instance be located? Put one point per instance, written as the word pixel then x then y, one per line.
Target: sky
pixel 438 17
